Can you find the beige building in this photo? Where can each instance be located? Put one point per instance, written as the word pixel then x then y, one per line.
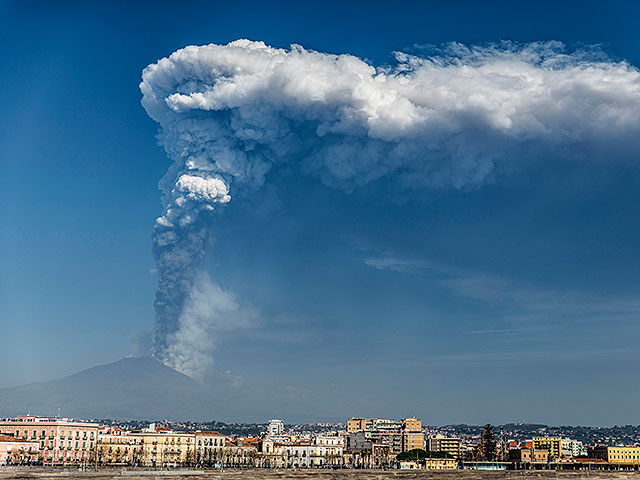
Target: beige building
pixel 209 447
pixel 118 447
pixel 411 424
pixel 322 450
pixel 386 432
pixel 440 443
pixel 161 447
pixel 356 424
pixel 528 455
pixel 166 448
pixel 272 453
pixel 240 452
pixel 16 451
pixel 412 440
pixel 312 455
pixel 153 447
pixel 412 436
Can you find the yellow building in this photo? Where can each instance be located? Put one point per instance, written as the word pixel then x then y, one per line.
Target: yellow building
pixel 117 446
pixel 167 448
pixel 551 444
pixel 440 463
pixel 440 443
pixel 356 425
pixel 160 447
pixel 627 455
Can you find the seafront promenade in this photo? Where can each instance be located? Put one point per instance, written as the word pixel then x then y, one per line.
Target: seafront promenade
pixel 16 473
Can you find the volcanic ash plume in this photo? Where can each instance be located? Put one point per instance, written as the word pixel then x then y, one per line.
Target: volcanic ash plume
pixel 229 113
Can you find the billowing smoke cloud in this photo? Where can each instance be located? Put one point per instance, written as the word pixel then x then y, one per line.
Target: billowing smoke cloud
pixel 230 113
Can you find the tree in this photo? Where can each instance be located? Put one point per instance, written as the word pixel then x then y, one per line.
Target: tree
pixel 489 446
pixel 420 454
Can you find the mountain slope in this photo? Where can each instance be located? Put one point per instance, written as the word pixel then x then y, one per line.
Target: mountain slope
pixel 136 388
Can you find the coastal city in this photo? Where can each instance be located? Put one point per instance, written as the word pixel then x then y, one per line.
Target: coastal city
pixel 320 240
pixel 360 443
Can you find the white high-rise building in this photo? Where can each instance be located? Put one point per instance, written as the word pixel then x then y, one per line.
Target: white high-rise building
pixel 276 427
pixel 572 448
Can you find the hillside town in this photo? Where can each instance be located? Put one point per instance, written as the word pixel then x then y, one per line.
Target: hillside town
pixel 361 443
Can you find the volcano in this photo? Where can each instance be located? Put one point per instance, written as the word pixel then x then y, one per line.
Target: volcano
pixel 131 388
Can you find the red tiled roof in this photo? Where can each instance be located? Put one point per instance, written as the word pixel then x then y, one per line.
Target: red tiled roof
pixel 11 438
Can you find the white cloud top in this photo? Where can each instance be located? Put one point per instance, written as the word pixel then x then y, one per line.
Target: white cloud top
pixel 447 119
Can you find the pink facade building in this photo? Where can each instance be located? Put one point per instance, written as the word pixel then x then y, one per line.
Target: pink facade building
pixel 17 451
pixel 60 440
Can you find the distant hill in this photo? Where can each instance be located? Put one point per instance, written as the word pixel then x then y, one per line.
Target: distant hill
pixel 135 388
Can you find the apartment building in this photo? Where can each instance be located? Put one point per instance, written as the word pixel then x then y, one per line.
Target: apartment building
pixel 159 446
pixel 396 435
pixel 329 441
pixel 620 455
pixel 275 427
pixel 528 455
pixel 241 452
pixel 163 447
pixel 385 432
pixel 412 436
pixel 16 451
pixel 209 447
pixel 440 443
pixel 312 455
pixel 411 424
pixel 272 453
pixel 356 425
pixel 383 425
pixel 551 444
pixel 572 448
pixel 118 447
pixel 61 440
pixel 358 441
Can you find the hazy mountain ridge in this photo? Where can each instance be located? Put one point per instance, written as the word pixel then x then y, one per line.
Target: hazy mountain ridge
pixel 134 388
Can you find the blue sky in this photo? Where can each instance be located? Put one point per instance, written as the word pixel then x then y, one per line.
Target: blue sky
pixel 514 301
